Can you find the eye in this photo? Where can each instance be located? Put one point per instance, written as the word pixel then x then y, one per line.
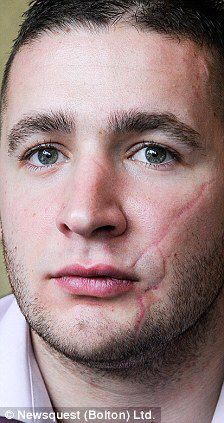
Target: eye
pixel 154 155
pixel 44 156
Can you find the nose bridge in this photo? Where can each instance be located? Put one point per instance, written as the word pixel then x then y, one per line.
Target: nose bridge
pixel 92 182
pixel 91 205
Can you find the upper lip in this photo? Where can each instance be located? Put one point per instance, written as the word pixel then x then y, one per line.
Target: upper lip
pixel 96 271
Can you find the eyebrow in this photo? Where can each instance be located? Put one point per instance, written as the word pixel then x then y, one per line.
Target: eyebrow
pixel 119 123
pixel 168 123
pixel 40 123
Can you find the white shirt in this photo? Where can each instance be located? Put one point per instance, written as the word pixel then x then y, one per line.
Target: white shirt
pixel 21 383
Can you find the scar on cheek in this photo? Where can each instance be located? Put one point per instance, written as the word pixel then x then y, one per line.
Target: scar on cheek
pixel 141 314
pixel 172 225
pixel 149 294
pixel 93 384
pixel 154 261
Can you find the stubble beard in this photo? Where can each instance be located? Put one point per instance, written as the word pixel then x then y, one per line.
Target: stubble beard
pixel 170 337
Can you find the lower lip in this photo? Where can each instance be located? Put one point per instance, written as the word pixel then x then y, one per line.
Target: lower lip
pixel 94 287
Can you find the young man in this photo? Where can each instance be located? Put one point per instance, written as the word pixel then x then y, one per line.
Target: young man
pixel 112 209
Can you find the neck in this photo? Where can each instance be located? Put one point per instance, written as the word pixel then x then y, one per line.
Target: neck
pixel 186 389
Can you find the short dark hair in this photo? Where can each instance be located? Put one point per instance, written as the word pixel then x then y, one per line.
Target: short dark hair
pixel 199 20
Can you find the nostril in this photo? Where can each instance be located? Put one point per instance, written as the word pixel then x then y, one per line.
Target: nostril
pixel 101 222
pixel 64 228
pixel 106 228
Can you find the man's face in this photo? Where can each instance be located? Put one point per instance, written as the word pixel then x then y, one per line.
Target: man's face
pixel 128 185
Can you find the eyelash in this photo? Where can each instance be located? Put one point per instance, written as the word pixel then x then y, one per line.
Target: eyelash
pixel 24 158
pixel 176 156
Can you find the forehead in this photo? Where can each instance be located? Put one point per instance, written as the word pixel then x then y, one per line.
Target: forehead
pixel 105 70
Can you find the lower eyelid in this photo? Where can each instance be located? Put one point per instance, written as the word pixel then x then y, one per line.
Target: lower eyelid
pixel 169 163
pixel 162 166
pixel 42 169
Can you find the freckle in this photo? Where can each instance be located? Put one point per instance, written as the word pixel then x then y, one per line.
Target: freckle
pixel 34 214
pixel 81 326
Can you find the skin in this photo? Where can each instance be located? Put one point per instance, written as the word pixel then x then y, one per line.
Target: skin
pixel 167 222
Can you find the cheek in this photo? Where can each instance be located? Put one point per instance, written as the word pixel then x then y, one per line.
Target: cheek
pixel 153 209
pixel 28 215
pixel 195 228
pixel 178 221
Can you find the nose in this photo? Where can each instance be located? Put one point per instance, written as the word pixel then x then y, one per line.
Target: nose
pixel 92 205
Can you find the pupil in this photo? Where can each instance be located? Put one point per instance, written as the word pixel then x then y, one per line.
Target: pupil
pixel 155 154
pixel 48 156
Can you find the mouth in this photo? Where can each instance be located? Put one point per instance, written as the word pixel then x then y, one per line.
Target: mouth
pixel 100 281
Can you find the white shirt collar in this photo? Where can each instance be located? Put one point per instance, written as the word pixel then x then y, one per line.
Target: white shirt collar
pixel 219 411
pixel 21 383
